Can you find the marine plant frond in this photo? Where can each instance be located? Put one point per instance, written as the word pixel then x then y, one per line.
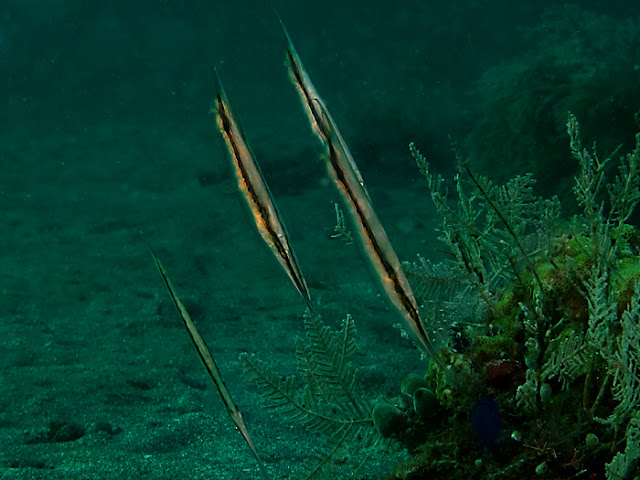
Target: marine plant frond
pixel 624 192
pixel 624 195
pixel 568 360
pixel 443 294
pixel 340 229
pixel 602 313
pixel 283 394
pixel 590 179
pixel 322 397
pixel 322 360
pixel 433 280
pixel 493 231
pixel 626 364
pixel 515 226
pixel 623 465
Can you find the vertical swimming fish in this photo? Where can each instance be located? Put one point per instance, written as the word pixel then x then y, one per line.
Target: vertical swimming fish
pixel 210 365
pixel 346 176
pixel 257 195
pixel 321 121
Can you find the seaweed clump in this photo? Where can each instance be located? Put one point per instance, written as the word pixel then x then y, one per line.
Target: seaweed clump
pixel 544 375
pixel 579 61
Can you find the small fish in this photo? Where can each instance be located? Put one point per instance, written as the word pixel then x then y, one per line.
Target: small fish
pixel 346 175
pixel 321 121
pixel 257 195
pixel 486 421
pixel 210 365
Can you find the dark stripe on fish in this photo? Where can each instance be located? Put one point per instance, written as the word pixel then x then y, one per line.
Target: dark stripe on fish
pixel 347 176
pixel 257 195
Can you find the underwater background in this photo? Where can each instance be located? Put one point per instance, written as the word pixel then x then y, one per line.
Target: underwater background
pixel 107 144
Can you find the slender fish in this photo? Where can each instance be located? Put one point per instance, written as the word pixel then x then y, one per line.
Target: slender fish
pixel 210 365
pixel 346 176
pixel 257 195
pixel 321 121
